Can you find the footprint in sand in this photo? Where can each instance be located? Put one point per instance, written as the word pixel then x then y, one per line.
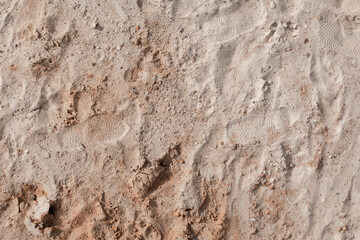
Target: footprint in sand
pixel 331 34
pixel 235 20
pixel 106 128
pixel 258 127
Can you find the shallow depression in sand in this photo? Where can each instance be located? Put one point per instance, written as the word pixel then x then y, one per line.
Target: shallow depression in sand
pixel 234 20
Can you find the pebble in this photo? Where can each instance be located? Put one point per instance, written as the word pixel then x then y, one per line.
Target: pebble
pixel 272 4
pixel 287 236
pixel 235 146
pixel 22 206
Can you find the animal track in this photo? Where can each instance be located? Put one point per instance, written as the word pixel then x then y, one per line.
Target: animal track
pixel 145 230
pixel 149 178
pixel 350 6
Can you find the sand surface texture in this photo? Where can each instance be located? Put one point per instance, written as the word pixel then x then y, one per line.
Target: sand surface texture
pixel 180 119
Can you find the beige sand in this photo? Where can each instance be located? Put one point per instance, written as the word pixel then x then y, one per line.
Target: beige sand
pixel 180 119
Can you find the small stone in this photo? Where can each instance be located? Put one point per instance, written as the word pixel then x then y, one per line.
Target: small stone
pixel 287 236
pixel 292 165
pixel 341 228
pixel 235 146
pixel 272 4
pixel 342 215
pixel 22 207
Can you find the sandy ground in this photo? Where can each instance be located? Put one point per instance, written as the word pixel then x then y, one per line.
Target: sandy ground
pixel 179 119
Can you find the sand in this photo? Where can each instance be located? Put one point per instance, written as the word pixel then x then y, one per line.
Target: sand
pixel 179 119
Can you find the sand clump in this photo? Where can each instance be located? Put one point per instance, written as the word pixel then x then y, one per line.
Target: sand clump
pixel 179 119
